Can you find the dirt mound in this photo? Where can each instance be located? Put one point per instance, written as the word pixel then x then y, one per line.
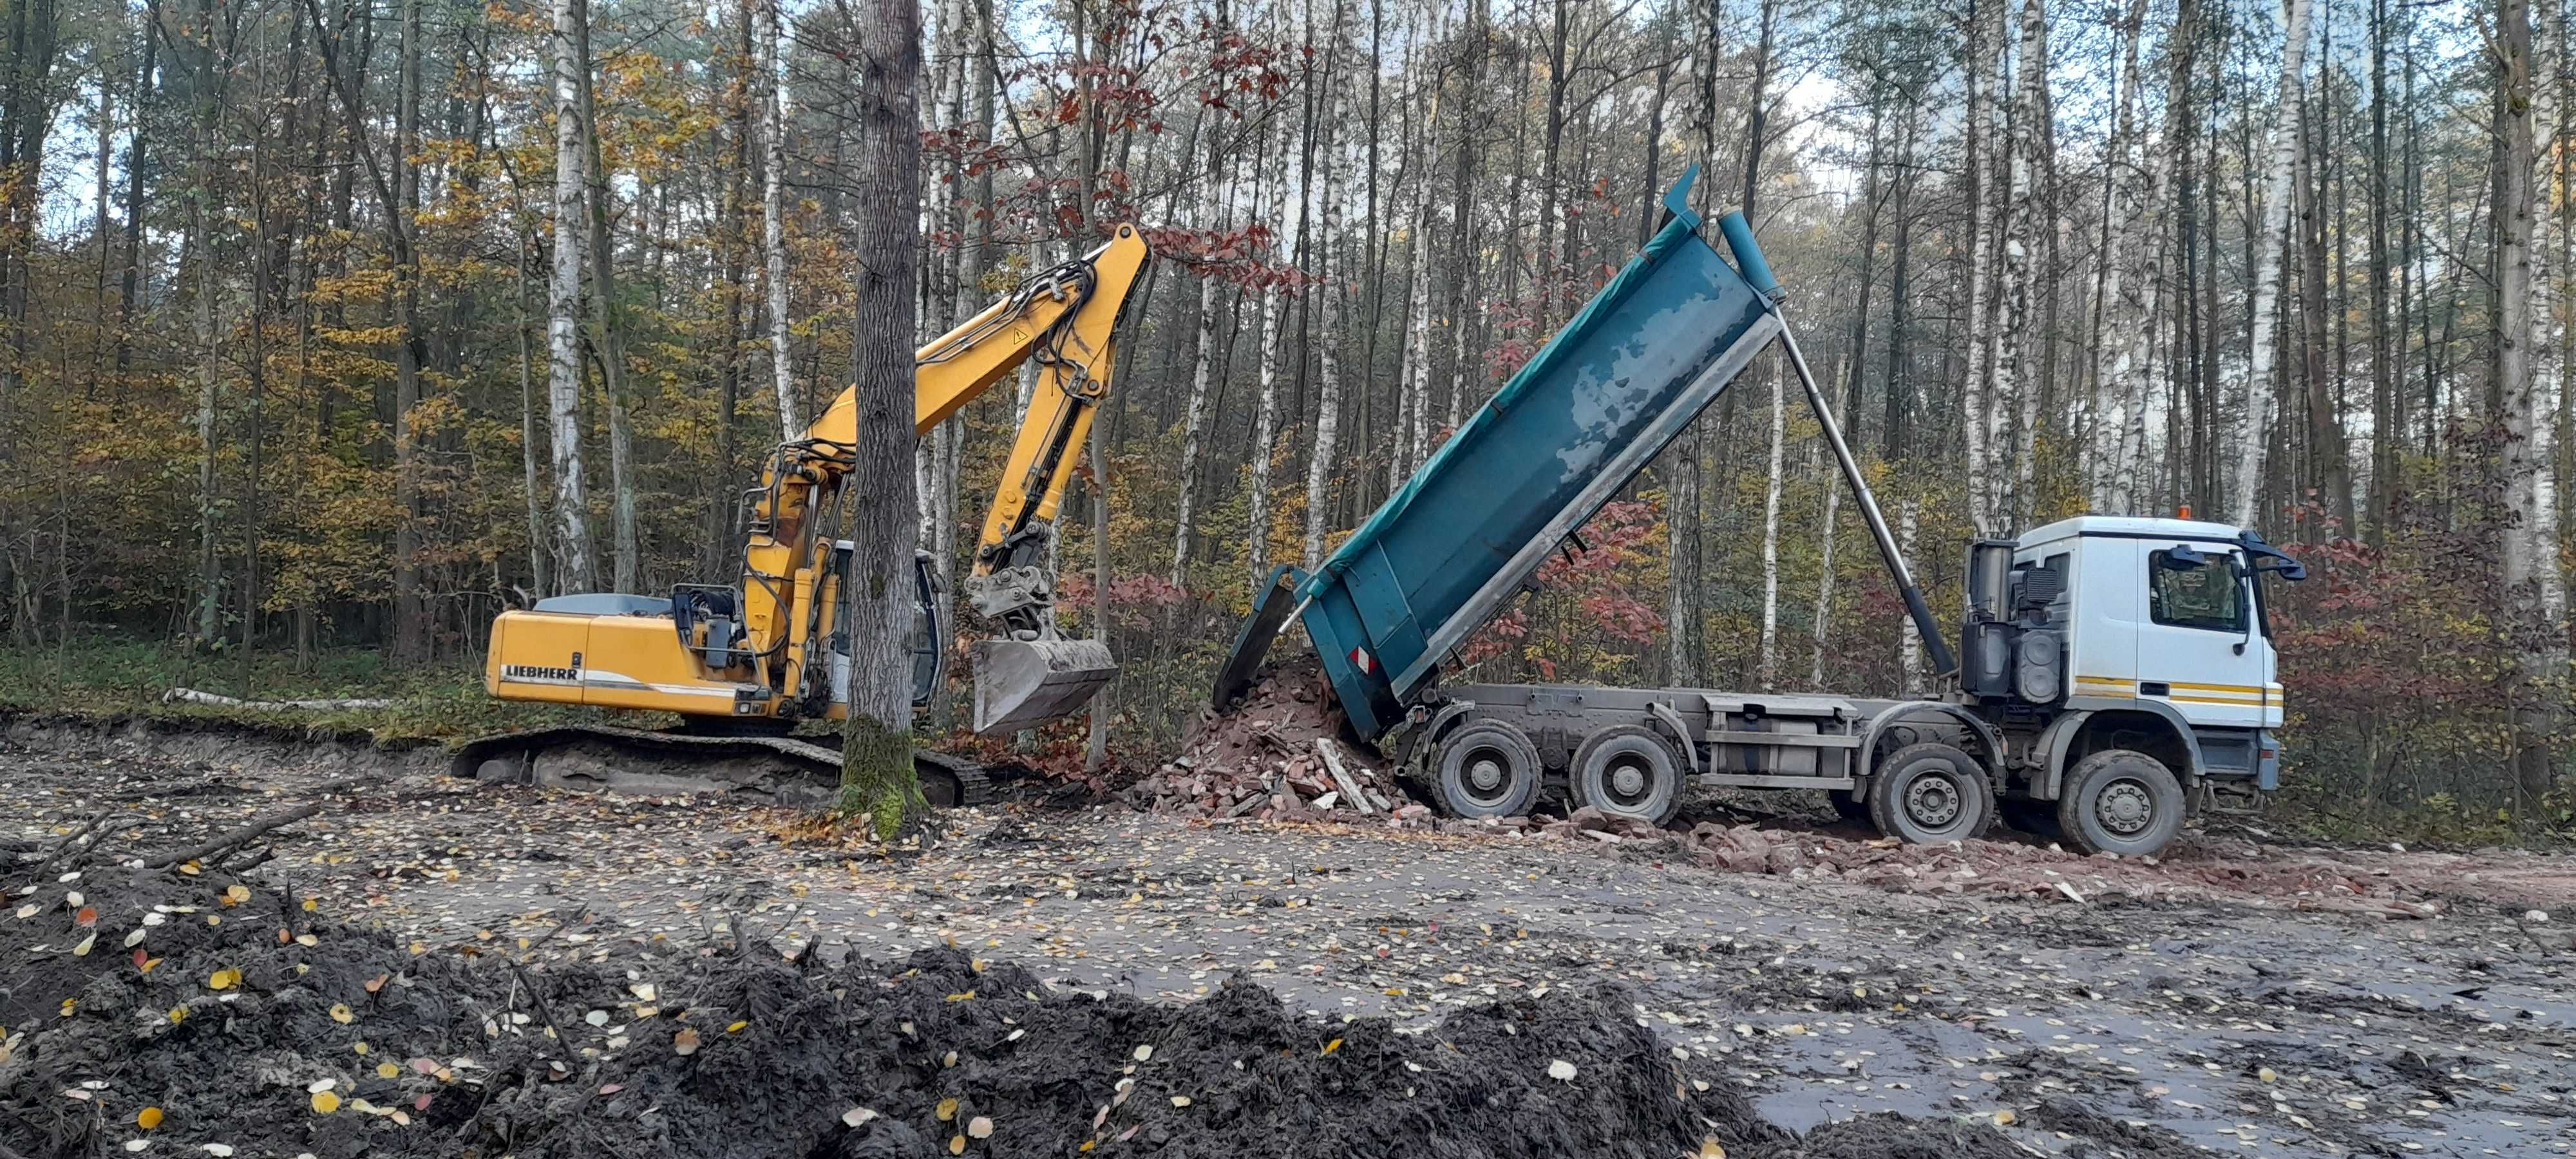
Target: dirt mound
pixel 1277 754
pixel 150 1010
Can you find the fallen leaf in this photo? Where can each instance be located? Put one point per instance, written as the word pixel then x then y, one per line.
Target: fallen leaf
pixel 218 1150
pixel 312 905
pixel 82 950
pixel 236 894
pixel 1332 1046
pixel 324 1102
pixel 957 1145
pixel 738 1024
pixel 377 983
pixel 340 1012
pixel 1709 1149
pixel 979 1127
pixel 178 1014
pixel 857 1116
pixel 1180 1100
pixel 307 940
pixel 28 910
pixel 224 979
pixel 87 917
pixel 318 1086
pixel 1561 1070
pixel 424 1066
pixel 596 1018
pixel 148 1118
pixel 612 1088
pixel 685 1042
pixel 386 1070
pixel 947 1110
pixel 1144 1052
pixel 643 990
pixel 2004 1117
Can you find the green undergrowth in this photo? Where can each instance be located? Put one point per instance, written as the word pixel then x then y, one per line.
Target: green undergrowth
pixel 107 678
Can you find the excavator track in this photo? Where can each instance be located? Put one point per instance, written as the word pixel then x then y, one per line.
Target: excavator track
pixel 780 769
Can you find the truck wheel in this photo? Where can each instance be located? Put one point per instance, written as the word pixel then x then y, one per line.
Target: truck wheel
pixel 2120 801
pixel 1927 793
pixel 1488 769
pixel 1628 771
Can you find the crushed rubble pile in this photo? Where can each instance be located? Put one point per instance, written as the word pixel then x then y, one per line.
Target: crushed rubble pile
pixel 1277 754
pixel 159 1011
pixel 2191 871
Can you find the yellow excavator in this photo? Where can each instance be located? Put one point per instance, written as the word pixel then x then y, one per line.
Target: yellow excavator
pixel 741 663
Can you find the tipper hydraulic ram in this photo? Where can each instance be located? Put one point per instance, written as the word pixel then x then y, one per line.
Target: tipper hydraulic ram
pixel 2117 670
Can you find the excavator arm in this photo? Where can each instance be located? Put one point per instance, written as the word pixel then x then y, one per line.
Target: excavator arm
pixel 1065 318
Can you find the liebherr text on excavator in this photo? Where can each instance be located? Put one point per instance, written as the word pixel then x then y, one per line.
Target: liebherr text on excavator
pixel 742 662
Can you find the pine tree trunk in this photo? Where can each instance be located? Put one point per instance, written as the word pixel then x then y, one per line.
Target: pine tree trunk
pixel 2266 296
pixel 877 775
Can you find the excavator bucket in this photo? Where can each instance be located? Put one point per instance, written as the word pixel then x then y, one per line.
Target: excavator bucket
pixel 1023 683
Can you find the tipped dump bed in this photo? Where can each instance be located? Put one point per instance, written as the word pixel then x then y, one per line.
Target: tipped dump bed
pixel 1645 356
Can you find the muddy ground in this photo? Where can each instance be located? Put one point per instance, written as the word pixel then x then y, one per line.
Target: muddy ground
pixel 2235 1015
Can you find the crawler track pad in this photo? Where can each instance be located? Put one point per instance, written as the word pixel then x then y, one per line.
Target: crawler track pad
pixel 1020 683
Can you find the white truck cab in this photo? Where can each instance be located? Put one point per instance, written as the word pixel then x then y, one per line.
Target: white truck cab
pixel 2147 636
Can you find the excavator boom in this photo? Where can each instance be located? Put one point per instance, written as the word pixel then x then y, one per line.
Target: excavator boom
pixel 771 647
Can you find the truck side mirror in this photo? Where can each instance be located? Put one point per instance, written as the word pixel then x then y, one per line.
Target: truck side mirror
pixel 2181 557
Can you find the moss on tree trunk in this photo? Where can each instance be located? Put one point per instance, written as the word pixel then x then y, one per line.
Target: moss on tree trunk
pixel 877 776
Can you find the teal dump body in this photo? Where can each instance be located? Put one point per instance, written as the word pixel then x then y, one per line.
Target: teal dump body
pixel 1443 554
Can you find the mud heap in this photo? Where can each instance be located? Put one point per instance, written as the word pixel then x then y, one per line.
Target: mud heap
pixel 1276 754
pixel 153 1011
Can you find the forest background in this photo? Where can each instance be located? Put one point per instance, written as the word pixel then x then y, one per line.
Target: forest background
pixel 329 329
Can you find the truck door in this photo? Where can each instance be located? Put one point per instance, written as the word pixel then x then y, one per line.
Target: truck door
pixel 2197 645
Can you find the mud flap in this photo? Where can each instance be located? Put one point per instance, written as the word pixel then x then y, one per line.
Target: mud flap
pixel 1271 607
pixel 1021 683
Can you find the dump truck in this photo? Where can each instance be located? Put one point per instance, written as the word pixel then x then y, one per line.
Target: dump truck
pixel 2113 674
pixel 743 662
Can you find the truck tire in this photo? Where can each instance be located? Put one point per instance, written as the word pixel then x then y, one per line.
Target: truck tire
pixel 1488 769
pixel 2120 801
pixel 1924 794
pixel 1628 771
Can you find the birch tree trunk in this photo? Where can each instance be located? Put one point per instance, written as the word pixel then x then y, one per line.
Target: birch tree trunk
pixel 1909 642
pixel 1769 659
pixel 607 334
pixel 2120 355
pixel 773 215
pixel 1825 570
pixel 1976 400
pixel 877 775
pixel 540 561
pixel 2026 159
pixel 1417 347
pixel 575 571
pixel 1194 415
pixel 2534 588
pixel 1328 323
pixel 1265 414
pixel 2266 295
pixel 411 612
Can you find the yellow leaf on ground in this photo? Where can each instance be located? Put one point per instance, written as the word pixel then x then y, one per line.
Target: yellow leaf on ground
pixel 686 1041
pixel 224 979
pixel 324 1102
pixel 178 1014
pixel 148 1118
pixel 386 1070
pixel 340 1012
pixel 947 1109
pixel 737 1026
pixel 957 1145
pixel 1332 1046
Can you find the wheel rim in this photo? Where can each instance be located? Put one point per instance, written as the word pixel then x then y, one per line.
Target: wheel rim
pixel 1933 801
pixel 1488 774
pixel 2125 807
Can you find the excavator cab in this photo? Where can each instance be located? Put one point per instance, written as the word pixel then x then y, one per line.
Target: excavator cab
pixel 929 659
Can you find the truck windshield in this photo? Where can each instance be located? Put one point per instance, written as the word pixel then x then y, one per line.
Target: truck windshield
pixel 2204 595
